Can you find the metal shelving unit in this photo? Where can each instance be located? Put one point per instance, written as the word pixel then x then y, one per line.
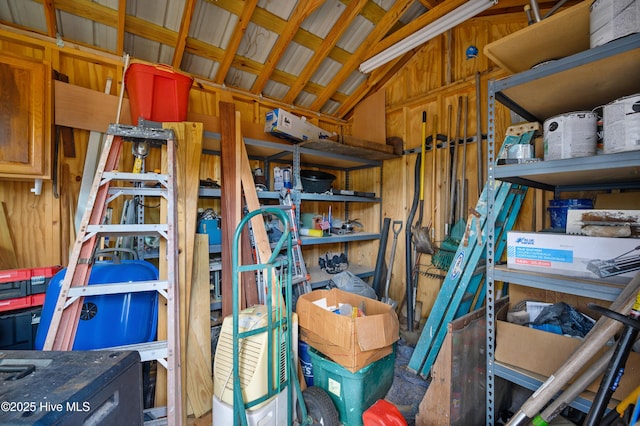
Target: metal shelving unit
pixel 581 81
pixel 301 154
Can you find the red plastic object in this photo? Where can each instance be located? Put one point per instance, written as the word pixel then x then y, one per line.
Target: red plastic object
pixel 157 93
pixel 40 278
pixel 383 413
pixel 37 299
pixel 14 275
pixel 14 283
pixel 13 304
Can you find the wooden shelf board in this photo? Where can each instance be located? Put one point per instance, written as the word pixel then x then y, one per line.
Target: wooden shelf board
pixel 582 88
pixel 562 34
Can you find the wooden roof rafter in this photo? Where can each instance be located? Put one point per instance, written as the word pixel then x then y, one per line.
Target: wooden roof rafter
pixel 183 33
pixel 232 48
pixel 379 31
pixel 50 18
pixel 300 13
pixel 348 15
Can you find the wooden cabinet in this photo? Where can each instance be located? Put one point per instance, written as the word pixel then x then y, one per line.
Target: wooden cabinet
pixel 25 119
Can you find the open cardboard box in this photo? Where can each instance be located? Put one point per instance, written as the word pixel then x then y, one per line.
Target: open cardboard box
pixel 542 352
pixel 353 343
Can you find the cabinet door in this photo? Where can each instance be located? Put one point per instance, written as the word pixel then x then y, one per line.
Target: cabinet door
pixel 25 143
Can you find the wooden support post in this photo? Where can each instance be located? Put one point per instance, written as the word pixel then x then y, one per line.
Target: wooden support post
pixel 230 197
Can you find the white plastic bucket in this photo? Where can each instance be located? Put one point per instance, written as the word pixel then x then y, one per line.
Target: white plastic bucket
pixel 570 135
pixel 613 19
pixel 621 125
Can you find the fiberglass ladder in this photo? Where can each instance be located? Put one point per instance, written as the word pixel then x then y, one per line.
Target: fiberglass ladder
pixel 74 287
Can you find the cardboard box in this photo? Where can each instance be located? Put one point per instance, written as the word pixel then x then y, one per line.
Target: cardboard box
pixel 543 353
pixel 574 255
pixel 283 124
pixel 353 343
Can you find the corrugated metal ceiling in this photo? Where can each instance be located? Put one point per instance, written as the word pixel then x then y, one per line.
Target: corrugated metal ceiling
pixel 301 52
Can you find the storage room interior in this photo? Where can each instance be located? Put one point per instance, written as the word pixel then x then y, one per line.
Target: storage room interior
pixel 365 212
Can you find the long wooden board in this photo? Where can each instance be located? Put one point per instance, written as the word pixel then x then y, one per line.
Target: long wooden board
pixel 199 372
pixel 230 198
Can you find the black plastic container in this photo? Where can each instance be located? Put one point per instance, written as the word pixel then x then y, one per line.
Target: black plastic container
pixel 316 181
pixel 71 388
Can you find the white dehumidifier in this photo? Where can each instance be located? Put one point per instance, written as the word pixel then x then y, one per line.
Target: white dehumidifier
pixel 254 370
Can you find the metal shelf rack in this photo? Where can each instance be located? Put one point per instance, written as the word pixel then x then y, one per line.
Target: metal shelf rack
pixel 301 154
pixel 581 81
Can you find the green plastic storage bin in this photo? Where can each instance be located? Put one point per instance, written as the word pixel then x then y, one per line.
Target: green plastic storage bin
pixel 353 393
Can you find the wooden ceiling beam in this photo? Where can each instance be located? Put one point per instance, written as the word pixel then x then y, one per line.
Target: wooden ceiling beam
pixel 430 4
pixel 346 18
pixel 300 13
pixel 50 17
pixel 236 38
pixel 89 10
pixel 183 33
pixel 376 80
pixel 391 17
pixel 122 17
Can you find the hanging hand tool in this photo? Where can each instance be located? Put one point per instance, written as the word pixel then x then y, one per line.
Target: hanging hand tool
pixel 420 234
pixel 434 155
pixel 397 227
pixel 380 266
pixel 422 161
pixel 408 237
pixel 447 174
pixel 462 197
pixel 454 167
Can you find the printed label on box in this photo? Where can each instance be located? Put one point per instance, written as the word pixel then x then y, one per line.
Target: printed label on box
pixel 599 258
pixel 547 255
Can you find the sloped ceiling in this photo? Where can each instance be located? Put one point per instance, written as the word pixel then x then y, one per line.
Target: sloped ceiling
pixel 299 52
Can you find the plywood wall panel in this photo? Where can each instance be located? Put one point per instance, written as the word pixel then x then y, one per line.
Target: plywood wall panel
pixel 33 220
pixel 411 91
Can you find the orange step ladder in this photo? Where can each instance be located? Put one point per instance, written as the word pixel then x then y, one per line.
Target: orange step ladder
pixel 108 185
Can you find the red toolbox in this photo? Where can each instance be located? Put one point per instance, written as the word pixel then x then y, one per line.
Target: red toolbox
pixel 15 303
pixel 14 283
pixel 40 278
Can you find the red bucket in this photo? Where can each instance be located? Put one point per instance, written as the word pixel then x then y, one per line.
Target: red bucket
pixel 157 93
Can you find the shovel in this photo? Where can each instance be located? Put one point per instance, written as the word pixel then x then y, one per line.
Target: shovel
pixel 419 234
pixel 397 227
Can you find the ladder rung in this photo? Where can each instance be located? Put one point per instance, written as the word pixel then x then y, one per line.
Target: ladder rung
pixel 155 416
pixel 117 288
pixel 298 279
pixel 136 177
pixel 140 132
pixel 128 230
pixel 130 190
pixel 148 351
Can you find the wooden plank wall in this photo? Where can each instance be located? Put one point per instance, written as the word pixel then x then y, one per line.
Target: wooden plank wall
pixel 40 225
pixel 430 82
